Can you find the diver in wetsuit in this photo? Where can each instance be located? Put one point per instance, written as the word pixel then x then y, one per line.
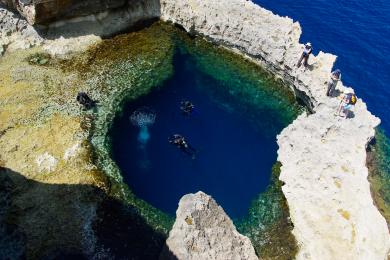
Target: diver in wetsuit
pixel 187 107
pixel 181 143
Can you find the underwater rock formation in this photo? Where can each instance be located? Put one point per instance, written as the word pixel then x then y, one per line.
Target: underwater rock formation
pixel 323 156
pixel 203 231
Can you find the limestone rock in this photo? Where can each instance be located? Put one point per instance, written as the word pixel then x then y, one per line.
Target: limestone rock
pixel 66 48
pixel 40 11
pixel 66 37
pixel 323 156
pixel 203 231
pixel 16 33
pixel 46 162
pixel 105 23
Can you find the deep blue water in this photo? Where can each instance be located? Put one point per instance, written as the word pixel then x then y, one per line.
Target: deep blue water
pixel 358 32
pixel 235 150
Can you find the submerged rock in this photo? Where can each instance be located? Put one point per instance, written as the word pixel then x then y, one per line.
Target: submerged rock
pixel 203 231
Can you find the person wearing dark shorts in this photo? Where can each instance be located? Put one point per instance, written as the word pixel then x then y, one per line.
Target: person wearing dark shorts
pixel 305 55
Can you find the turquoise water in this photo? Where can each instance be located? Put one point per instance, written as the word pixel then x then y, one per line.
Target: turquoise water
pixel 233 130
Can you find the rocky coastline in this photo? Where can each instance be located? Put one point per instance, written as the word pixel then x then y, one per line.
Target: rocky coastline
pixel 323 157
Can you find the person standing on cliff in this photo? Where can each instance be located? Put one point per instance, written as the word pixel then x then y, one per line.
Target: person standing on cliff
pixel 334 79
pixel 305 55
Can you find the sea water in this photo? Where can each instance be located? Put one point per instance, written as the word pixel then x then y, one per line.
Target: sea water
pixel 358 32
pixel 233 130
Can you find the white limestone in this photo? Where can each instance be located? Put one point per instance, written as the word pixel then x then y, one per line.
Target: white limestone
pixel 16 33
pixel 72 151
pixel 46 162
pixel 323 156
pixel 202 230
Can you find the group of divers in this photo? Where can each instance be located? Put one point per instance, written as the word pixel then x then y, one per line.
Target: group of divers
pixel 348 100
pixel 179 141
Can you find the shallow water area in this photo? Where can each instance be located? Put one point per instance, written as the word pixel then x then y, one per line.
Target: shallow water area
pixel 234 138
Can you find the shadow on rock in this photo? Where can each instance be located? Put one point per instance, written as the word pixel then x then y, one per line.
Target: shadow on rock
pixel 59 221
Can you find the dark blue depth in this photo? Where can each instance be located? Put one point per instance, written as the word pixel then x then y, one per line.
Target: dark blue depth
pixel 359 33
pixel 234 154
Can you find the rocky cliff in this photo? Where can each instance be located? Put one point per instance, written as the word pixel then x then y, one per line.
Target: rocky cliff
pixel 71 22
pixel 203 231
pixel 323 156
pixel 45 11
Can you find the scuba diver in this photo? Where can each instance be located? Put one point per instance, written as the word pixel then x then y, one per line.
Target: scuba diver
pixel 180 142
pixel 187 107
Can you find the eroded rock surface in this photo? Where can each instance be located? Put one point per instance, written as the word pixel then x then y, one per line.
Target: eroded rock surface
pixel 71 34
pixel 16 33
pixel 203 231
pixel 323 156
pixel 39 11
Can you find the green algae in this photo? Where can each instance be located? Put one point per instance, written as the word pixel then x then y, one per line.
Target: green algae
pixel 38 59
pixel 268 224
pixel 378 163
pixel 113 72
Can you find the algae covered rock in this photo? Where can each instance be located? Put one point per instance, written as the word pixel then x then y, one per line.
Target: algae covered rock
pixel 203 231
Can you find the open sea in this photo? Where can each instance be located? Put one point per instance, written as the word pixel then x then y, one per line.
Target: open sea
pixel 358 32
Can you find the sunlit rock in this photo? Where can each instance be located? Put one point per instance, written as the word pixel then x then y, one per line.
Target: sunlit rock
pixel 203 231
pixel 46 162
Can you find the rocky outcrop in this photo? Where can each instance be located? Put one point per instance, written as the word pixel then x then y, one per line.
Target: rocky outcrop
pixel 323 156
pixel 40 11
pixel 203 231
pixel 69 35
pixel 16 33
pixel 48 11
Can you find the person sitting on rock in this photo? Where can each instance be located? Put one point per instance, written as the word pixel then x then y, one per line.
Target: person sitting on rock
pixel 305 55
pixel 347 102
pixel 85 100
pixel 334 78
pixel 187 107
